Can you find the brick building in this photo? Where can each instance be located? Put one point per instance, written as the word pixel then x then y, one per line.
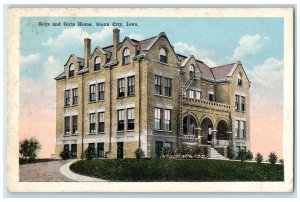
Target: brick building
pixel 142 94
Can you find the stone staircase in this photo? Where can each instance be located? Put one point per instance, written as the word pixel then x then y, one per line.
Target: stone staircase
pixel 215 155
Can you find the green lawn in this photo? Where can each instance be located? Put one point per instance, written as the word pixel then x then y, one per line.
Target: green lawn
pixel 201 170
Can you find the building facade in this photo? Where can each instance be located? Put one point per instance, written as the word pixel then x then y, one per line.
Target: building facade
pixel 141 94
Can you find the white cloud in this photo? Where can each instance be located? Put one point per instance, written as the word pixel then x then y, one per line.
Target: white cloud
pixel 248 45
pixel 136 36
pixel 75 36
pixel 267 83
pixel 29 59
pixel 186 49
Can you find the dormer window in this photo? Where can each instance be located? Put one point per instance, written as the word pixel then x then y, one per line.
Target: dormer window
pixel 163 55
pixel 126 56
pixel 192 71
pixel 239 79
pixel 71 70
pixel 97 64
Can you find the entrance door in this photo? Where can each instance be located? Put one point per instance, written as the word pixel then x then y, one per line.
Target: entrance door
pixel 120 150
pixel 209 136
pixel 158 148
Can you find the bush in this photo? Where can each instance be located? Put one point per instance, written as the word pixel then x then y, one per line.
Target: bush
pixel 139 153
pixel 242 155
pixel 259 158
pixel 281 161
pixel 230 152
pixel 90 153
pixel 183 150
pixel 166 151
pixel 198 150
pixel 65 154
pixel 249 155
pixel 28 149
pixel 273 158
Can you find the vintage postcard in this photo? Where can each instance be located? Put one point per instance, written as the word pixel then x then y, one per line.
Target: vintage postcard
pixel 150 100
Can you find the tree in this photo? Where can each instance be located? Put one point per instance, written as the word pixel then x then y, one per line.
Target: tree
pixel 90 153
pixel 259 158
pixel 65 154
pixel 273 158
pixel 242 155
pixel 28 149
pixel 230 152
pixel 139 153
pixel 249 155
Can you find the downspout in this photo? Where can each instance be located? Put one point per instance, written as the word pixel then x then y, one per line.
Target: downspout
pixel 82 111
pixel 110 108
pixel 140 102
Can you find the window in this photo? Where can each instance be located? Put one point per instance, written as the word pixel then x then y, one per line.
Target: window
pixel 126 56
pixel 120 119
pixel 239 79
pixel 75 96
pixel 101 122
pixel 198 95
pixel 97 63
pixel 67 97
pixel 237 150
pixel 66 147
pixel 74 124
pixel 163 55
pixel 191 94
pixel 168 145
pixel 157 119
pixel 168 87
pixel 92 123
pixel 131 85
pixel 192 71
pixel 242 130
pixel 237 103
pixel 189 125
pixel 93 93
pixel 211 97
pixel 242 103
pixel 92 145
pixel 167 121
pixel 100 149
pixel 71 70
pixel 237 128
pixel 121 88
pixel 67 125
pixel 74 150
pixel 130 119
pixel 157 87
pixel 101 88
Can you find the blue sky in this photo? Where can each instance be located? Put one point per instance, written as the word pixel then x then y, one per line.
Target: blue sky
pixel 257 42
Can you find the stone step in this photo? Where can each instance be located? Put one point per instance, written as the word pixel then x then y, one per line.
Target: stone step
pixel 214 154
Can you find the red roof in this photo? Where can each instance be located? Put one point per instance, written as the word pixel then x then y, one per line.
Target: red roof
pixel 221 72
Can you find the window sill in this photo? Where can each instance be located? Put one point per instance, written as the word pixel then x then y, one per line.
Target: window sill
pixel 92 133
pixel 163 96
pixel 101 133
pixel 101 100
pixel 130 130
pixel 131 95
pixel 74 105
pixel 120 97
pixel 159 130
pixel 91 102
pixel 67 106
pixel 120 131
pixel 168 131
pixel 74 134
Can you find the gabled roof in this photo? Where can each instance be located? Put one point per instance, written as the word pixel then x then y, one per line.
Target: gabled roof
pixel 221 72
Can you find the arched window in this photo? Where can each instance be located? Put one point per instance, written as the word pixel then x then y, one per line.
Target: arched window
pixel 189 125
pixel 71 70
pixel 239 79
pixel 163 55
pixel 126 56
pixel 97 63
pixel 192 71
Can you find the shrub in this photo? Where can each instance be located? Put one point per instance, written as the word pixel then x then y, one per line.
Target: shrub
pixel 198 150
pixel 242 155
pixel 281 161
pixel 259 158
pixel 90 153
pixel 139 153
pixel 166 151
pixel 28 149
pixel 230 152
pixel 249 155
pixel 65 154
pixel 183 150
pixel 273 158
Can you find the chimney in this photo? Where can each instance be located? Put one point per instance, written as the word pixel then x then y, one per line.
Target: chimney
pixel 116 35
pixel 87 51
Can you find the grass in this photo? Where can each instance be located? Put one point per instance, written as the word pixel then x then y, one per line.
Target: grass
pixel 189 170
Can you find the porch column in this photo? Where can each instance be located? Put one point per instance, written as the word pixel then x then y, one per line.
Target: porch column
pixel 214 137
pixel 199 135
